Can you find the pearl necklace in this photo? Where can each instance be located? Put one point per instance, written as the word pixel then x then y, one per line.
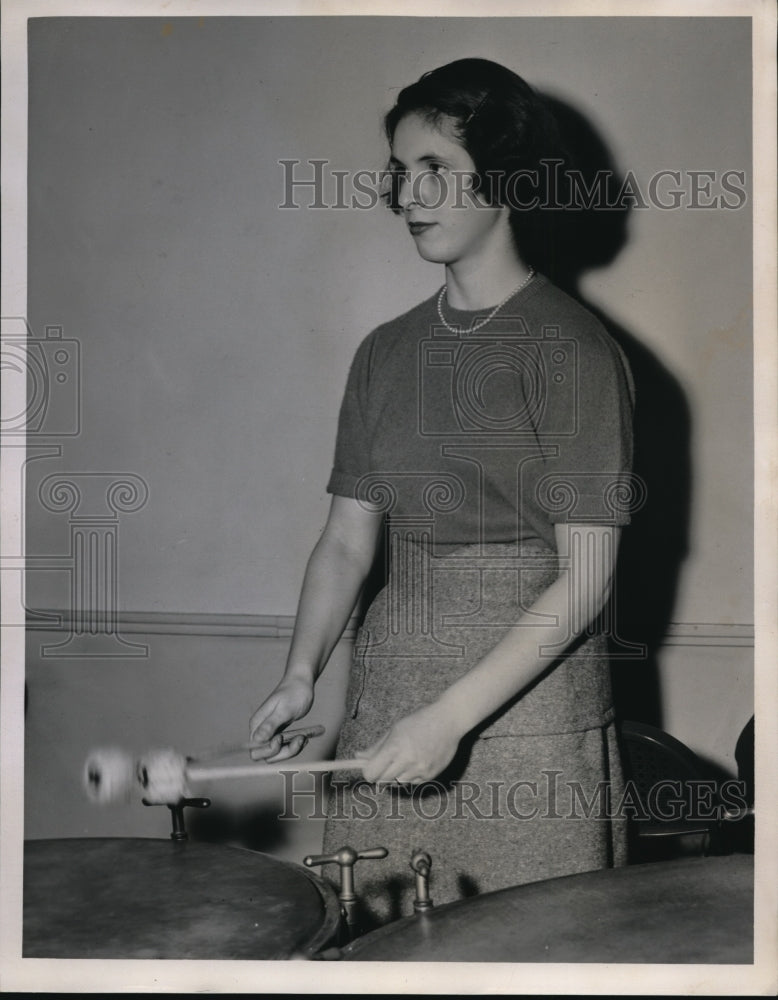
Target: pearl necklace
pixel 458 330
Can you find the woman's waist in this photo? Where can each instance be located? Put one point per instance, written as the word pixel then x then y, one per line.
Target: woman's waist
pixel 396 670
pixel 414 544
pixel 485 582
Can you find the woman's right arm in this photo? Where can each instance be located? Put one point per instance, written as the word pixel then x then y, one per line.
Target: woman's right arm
pixel 333 580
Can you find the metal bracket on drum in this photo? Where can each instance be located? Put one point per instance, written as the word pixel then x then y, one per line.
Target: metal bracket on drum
pixel 346 858
pixel 421 863
pixel 177 814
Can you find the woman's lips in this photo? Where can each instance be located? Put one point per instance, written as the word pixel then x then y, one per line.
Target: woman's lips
pixel 417 228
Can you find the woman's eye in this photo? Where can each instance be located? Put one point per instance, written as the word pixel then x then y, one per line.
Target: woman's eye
pixel 436 168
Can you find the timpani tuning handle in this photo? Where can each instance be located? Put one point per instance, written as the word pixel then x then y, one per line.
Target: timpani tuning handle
pixel 177 814
pixel 372 853
pixel 421 863
pixel 346 858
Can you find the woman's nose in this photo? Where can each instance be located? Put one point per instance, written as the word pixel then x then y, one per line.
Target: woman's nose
pixel 406 195
pixel 425 189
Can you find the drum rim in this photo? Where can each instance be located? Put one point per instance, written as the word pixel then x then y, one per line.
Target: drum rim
pixel 359 949
pixel 325 934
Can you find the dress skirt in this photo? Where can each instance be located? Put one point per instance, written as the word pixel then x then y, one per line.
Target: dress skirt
pixel 531 791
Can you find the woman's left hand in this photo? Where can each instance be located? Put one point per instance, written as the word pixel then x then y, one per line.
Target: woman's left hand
pixel 416 748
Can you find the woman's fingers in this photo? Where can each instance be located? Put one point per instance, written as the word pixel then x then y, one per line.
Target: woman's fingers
pixel 383 765
pixel 374 761
pixel 279 748
pixel 394 773
pixel 261 727
pixel 415 749
pixel 265 723
pixel 392 760
pixel 409 777
pixel 270 747
pixel 290 701
pixel 286 750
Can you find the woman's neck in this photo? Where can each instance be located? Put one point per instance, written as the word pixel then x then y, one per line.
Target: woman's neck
pixel 481 284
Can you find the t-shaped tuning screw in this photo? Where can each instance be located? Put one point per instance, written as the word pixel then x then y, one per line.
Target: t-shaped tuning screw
pixel 177 814
pixel 421 863
pixel 346 858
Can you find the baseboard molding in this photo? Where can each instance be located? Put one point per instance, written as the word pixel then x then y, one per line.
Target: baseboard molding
pixel 708 634
pixel 167 623
pixel 282 626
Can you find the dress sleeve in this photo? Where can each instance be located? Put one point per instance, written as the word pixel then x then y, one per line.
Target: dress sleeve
pixel 588 475
pixel 352 446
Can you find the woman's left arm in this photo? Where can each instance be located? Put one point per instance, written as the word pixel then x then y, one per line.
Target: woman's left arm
pixel 419 746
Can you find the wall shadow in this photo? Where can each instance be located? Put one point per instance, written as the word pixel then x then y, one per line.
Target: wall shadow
pixel 654 546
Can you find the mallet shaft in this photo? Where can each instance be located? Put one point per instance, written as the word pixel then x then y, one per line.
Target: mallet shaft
pixel 196 772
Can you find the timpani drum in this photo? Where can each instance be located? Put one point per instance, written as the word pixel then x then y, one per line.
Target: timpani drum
pixel 698 911
pixel 139 898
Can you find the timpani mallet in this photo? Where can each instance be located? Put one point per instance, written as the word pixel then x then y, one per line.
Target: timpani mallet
pixel 110 775
pixel 164 775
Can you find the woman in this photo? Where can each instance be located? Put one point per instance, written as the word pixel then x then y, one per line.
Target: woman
pixel 489 428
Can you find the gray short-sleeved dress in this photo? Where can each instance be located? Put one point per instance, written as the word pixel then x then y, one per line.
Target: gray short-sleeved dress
pixel 476 445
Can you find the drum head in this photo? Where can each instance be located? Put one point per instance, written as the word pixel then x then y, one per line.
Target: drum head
pixel 697 911
pixel 134 898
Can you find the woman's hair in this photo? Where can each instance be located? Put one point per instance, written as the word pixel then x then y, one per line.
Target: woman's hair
pixel 504 125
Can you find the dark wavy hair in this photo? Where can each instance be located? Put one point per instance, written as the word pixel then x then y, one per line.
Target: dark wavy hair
pixel 505 126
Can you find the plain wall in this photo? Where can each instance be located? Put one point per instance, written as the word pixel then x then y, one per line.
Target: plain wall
pixel 215 329
pixel 192 693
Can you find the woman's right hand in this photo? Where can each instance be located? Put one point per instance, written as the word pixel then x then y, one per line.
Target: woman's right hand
pixel 291 700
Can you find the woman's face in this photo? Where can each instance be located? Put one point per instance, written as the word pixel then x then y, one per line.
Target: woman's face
pixel 447 220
